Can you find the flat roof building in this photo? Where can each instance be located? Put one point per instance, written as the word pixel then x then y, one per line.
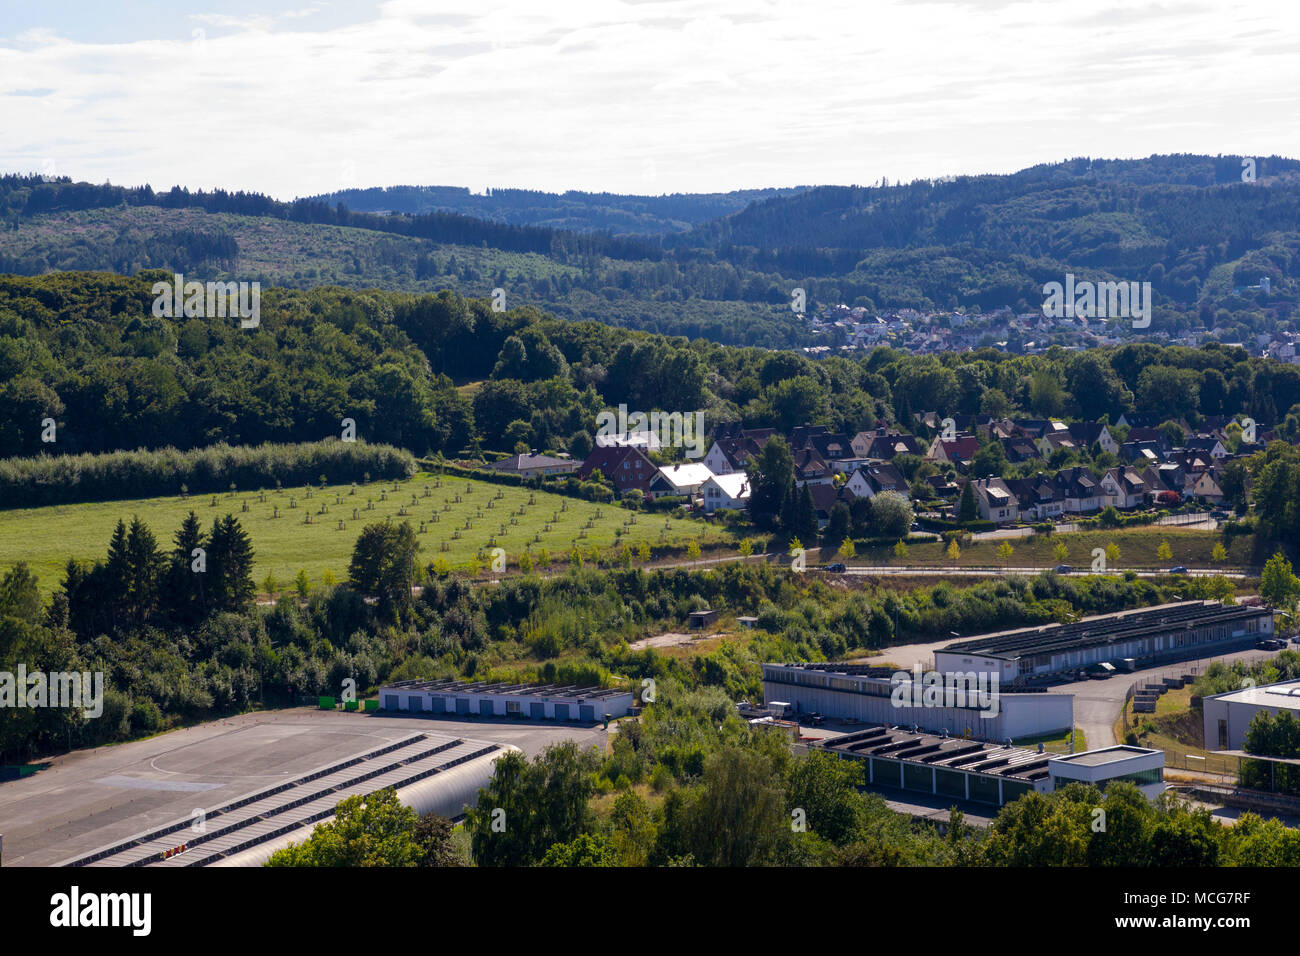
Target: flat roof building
pixel 983 772
pixel 1170 632
pixel 1227 716
pixel 978 708
pixel 489 699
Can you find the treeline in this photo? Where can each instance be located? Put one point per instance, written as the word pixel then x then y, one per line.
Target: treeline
pixel 26 196
pixel 177 643
pixel 65 479
pixel 392 363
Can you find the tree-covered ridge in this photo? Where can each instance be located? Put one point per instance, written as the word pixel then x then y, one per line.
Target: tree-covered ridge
pixel 1188 225
pixel 442 373
pixel 572 210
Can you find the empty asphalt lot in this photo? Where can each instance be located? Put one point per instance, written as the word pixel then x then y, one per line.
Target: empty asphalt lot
pixel 90 798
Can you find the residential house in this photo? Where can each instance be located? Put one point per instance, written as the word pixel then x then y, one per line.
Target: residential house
pixel 725 491
pixel 871 480
pixel 624 466
pixel 995 501
pixel 683 479
pixel 1081 491
pixel 1038 498
pixel 811 469
pixel 959 452
pixel 1087 434
pixel 531 465
pixel 1124 488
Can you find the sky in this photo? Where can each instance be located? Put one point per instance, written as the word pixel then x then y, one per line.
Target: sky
pixel 631 96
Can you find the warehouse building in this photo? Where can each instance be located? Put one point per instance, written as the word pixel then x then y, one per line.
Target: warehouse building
pixel 429 773
pixel 1227 716
pixel 880 695
pixel 1182 631
pixel 485 699
pixel 981 772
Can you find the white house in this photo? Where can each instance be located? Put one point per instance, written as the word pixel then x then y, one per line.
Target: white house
pixel 684 479
pixel 726 491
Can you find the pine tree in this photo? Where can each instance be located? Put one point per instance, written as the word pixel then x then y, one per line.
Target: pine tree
pixel 968 510
pixel 187 588
pixel 145 565
pixel 807 515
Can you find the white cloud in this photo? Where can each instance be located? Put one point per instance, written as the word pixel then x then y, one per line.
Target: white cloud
pixel 715 95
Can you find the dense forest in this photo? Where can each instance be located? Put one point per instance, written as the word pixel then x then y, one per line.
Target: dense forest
pixel 573 210
pixel 442 373
pixel 1188 225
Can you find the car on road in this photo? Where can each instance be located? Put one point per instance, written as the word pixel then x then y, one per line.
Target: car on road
pixel 1178 570
pixel 1271 644
pixel 1063 569
pixel 836 568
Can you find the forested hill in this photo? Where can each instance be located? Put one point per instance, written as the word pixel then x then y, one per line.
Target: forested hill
pixel 1185 214
pixel 1192 226
pixel 441 373
pixel 573 210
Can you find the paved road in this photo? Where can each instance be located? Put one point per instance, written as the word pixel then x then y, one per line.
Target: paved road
pixel 1096 702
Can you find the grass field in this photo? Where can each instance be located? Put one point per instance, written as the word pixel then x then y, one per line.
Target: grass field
pixel 1137 549
pixel 462 520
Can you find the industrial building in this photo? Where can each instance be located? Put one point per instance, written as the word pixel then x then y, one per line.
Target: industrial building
pixel 1227 716
pixel 482 698
pixel 987 773
pixel 430 774
pixel 872 695
pixel 1182 631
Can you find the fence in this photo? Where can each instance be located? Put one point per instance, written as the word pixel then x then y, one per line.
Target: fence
pixel 1197 517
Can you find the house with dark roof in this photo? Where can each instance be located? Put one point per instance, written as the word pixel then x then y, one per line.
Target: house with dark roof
pixel 1039 499
pixel 1081 491
pixel 1087 434
pixel 1125 488
pixel 995 501
pixel 959 452
pixel 811 469
pixel 624 466
pixel 531 465
pixel 1019 448
pixel 870 480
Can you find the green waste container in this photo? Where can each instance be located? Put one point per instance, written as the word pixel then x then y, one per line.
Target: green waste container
pixel 372 705
pixel 327 703
pixel 350 705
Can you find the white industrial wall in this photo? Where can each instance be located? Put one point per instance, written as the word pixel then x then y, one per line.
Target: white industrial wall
pixel 1019 715
pixel 448 794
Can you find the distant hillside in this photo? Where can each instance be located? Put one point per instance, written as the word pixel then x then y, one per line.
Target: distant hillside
pixel 575 211
pixel 1189 225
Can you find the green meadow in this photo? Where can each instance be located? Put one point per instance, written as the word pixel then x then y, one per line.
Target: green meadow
pixel 314 529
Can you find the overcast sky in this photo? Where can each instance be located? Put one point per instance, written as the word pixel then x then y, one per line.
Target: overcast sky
pixel 636 96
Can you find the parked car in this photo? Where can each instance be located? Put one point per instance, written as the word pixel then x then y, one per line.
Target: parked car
pixel 1063 569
